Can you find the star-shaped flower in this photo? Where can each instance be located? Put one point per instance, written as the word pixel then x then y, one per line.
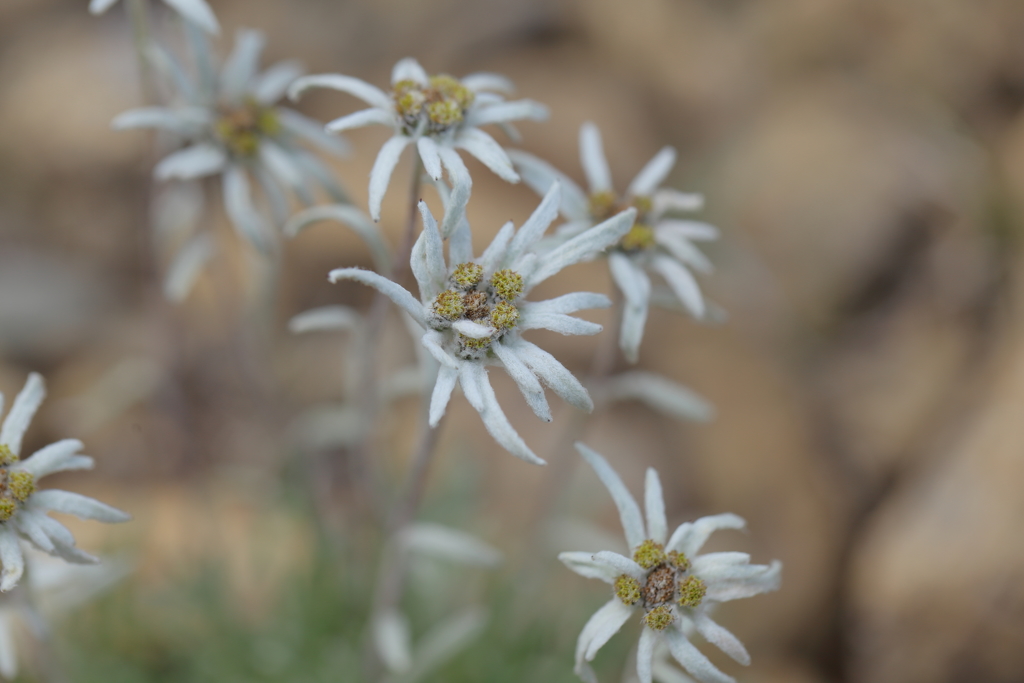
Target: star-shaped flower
pixel 195 11
pixel 440 114
pixel 666 580
pixel 231 127
pixel 23 508
pixel 656 243
pixel 474 312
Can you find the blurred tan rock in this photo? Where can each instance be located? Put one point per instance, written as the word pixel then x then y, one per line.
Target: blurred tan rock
pixel 937 579
pixel 762 442
pixel 48 303
pixel 903 357
pixel 1010 154
pixel 946 50
pixel 823 182
pixel 687 52
pixel 352 37
pixel 61 83
pixel 892 385
pixel 779 670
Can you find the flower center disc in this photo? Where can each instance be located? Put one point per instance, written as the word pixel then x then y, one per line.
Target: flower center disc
pixel 488 303
pixel 441 105
pixel 15 487
pixel 660 586
pixel 241 128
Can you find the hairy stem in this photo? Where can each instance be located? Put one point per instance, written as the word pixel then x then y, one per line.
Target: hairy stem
pixel 607 351
pixel 367 395
pixel 559 454
pixel 402 268
pixel 138 13
pixel 45 659
pixel 563 463
pixel 394 558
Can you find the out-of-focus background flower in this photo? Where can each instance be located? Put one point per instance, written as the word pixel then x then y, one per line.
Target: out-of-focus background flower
pixel 865 162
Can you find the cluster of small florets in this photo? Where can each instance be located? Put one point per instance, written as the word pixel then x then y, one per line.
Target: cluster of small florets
pixel 605 204
pixel 470 298
pixel 439 106
pixel 668 582
pixel 241 128
pixel 15 487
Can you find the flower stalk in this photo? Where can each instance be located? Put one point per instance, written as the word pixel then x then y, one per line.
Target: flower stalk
pixel 138 13
pixel 367 381
pixel 390 583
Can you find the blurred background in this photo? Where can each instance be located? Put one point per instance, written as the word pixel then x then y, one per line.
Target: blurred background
pixel 864 160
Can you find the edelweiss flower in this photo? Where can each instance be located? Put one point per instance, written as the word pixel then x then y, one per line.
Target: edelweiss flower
pixel 196 11
pixel 438 113
pixel 668 582
pixel 232 129
pixel 474 312
pixel 23 508
pixel 655 243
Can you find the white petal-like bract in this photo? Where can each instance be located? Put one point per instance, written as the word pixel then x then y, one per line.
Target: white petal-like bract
pixel 78 505
pixel 325 318
pixel 192 162
pixel 653 174
pixel 25 405
pixel 593 160
pixel 198 12
pixel 12 561
pixel 370 94
pixel 629 511
pixel 380 174
pixel 57 457
pixel 442 542
pixel 393 291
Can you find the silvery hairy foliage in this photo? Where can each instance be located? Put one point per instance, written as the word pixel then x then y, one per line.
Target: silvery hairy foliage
pixel 23 507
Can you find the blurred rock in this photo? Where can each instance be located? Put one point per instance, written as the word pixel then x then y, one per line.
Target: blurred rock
pixel 60 85
pixel 1010 153
pixel 762 441
pixel 826 181
pixel 351 37
pixel 903 354
pixel 48 304
pixel 778 670
pixel 686 52
pixel 937 578
pixel 890 387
